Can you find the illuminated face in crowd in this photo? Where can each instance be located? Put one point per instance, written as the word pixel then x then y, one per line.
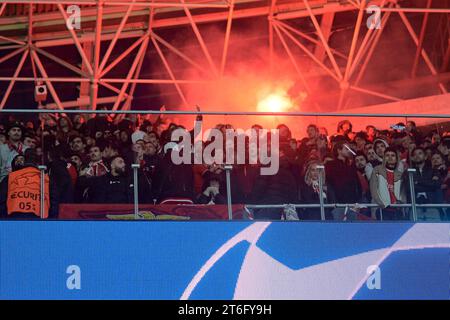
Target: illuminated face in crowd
pixel 118 166
pixel 322 143
pixel 15 134
pixel 314 172
pixel 428 154
pixel 137 147
pixel 360 142
pixel 76 160
pixel 436 138
pixel 79 119
pixel 63 122
pixel 371 155
pixel 78 145
pixel 410 126
pixel 107 134
pixel 371 131
pixel 345 151
pixel 426 144
pixel 323 131
pixel 437 160
pixel 95 154
pixel 418 156
pixel 390 158
pixel 39 152
pixel 153 139
pixel 312 132
pixel 90 141
pixel 360 162
pixel 152 136
pixel 123 136
pixel 380 148
pixel 284 132
pixel 293 144
pixel 29 142
pixel 19 161
pixel 346 127
pixel 351 135
pixel 406 141
pixel 150 149
pixel 443 149
pixel 367 147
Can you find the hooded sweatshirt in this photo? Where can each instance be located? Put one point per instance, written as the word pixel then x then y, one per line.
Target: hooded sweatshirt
pixel 379 185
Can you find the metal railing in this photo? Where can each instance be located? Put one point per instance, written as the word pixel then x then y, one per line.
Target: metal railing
pixel 233 113
pixel 323 206
pixel 348 206
pixel 42 170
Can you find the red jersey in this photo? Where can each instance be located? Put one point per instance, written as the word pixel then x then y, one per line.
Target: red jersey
pixel 390 182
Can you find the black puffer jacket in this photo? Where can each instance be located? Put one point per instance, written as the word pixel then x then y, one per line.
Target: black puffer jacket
pixel 427 181
pixel 172 180
pixel 280 188
pixel 115 189
pixel 343 179
pixel 60 178
pixel 109 189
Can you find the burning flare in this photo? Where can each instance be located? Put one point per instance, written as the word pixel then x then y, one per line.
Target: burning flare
pixel 275 102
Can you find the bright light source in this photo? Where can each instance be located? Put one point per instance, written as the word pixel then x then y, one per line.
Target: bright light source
pixel 275 102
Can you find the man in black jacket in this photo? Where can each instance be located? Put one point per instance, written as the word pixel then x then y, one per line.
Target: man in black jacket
pixel 59 176
pixel 280 188
pixel 173 180
pixel 427 182
pixel 116 186
pixel 342 177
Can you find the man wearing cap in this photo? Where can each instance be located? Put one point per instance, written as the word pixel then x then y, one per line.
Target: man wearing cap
pixel 11 149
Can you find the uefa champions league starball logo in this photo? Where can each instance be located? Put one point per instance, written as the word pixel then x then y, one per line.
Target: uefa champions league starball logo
pixel 261 276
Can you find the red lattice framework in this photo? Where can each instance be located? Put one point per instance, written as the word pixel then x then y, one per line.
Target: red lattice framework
pixel 30 40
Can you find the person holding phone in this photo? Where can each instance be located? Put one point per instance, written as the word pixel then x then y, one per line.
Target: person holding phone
pixel 212 193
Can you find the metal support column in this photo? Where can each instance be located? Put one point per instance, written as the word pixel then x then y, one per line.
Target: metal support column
pixel 412 191
pixel 42 190
pixel 228 169
pixel 135 167
pixel 322 208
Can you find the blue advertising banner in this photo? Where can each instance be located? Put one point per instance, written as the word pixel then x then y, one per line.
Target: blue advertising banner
pixel 223 260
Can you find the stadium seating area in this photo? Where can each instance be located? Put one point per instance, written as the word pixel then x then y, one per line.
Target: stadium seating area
pixel 89 161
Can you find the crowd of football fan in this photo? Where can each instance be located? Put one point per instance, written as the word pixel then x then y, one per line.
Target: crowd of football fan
pixel 89 160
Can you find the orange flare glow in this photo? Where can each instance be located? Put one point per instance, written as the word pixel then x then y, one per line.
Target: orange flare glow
pixel 275 102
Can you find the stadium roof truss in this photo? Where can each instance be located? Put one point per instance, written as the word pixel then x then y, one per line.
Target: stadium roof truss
pixel 29 27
